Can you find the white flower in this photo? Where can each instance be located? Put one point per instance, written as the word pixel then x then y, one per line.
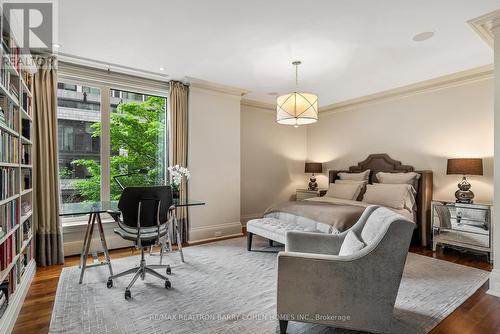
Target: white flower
pixel 177 173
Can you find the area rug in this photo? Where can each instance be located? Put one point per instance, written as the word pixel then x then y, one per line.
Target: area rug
pixel 222 288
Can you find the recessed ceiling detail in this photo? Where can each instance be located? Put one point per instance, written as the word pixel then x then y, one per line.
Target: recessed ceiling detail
pixel 423 36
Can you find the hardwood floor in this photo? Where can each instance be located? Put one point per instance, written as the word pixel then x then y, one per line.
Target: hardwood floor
pixel 479 314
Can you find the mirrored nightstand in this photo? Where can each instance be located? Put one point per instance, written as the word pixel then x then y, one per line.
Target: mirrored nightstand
pixel 462 225
pixel 302 194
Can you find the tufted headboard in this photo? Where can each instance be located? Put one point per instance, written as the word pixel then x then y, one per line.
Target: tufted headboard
pixel 382 162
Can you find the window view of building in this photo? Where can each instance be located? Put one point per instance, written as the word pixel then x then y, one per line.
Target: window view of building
pixel 137 137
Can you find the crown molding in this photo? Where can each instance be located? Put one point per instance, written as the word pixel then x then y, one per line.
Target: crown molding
pixel 450 80
pixel 82 61
pixel 258 104
pixel 216 87
pixel 485 24
pixel 443 82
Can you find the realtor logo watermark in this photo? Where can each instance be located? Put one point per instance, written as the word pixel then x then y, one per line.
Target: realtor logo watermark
pixel 32 24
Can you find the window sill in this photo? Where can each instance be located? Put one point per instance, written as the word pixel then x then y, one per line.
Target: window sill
pixel 79 224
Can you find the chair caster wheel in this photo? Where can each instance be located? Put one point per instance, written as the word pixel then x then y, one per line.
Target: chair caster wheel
pixel 128 295
pixel 169 270
pixel 168 285
pixel 109 284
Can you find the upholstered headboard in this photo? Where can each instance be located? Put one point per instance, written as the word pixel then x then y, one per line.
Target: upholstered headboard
pixel 382 162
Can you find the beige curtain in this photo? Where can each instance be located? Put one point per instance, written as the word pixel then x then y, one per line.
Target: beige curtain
pixel 46 222
pixel 179 125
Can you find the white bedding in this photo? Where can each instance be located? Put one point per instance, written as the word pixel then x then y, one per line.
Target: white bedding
pixel 406 213
pixel 307 223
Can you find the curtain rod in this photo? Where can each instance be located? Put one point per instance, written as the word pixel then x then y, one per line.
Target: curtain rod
pixel 68 58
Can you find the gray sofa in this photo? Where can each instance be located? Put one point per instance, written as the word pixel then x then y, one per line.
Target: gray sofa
pixel 354 292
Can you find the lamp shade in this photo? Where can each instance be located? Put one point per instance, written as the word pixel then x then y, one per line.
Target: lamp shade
pixel 313 167
pixel 297 108
pixel 465 166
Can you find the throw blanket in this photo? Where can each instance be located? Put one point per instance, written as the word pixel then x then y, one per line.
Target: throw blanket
pixel 340 216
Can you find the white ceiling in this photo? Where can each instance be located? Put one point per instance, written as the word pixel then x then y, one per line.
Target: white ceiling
pixel 348 48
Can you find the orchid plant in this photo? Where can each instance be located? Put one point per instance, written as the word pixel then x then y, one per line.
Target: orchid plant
pixel 177 173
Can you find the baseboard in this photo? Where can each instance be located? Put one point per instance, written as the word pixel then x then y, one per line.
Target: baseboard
pixel 494 289
pixel 206 241
pixel 250 216
pixel 204 233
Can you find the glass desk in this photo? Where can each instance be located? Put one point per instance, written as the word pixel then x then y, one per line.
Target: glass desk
pixel 94 210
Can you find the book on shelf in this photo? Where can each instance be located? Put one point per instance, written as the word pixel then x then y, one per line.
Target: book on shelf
pixel 9 147
pixel 27 103
pixel 25 126
pixel 3 303
pixel 9 216
pixel 9 113
pixel 27 230
pixel 8 251
pixel 26 176
pixel 8 182
pixel 28 79
pixel 4 75
pixel 25 208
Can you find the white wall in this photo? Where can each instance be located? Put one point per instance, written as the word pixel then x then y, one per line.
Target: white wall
pixel 272 160
pixel 422 130
pixel 214 162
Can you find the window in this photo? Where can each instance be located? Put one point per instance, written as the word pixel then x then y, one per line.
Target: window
pixel 134 125
pixel 79 147
pixel 137 138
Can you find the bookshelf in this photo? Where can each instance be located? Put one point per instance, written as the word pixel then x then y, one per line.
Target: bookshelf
pixel 17 264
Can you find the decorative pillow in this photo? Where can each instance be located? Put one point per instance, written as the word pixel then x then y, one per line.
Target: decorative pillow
pixel 355 176
pixel 361 183
pixel 396 196
pixel 344 191
pixel 398 178
pixel 351 244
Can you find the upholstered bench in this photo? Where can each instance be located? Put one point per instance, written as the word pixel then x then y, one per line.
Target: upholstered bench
pixel 274 229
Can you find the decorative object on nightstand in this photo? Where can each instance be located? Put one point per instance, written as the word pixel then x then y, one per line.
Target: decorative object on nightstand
pixel 313 167
pixel 462 225
pixel 464 167
pixel 302 194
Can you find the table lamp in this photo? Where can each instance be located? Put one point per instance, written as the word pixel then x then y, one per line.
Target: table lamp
pixel 313 167
pixel 464 166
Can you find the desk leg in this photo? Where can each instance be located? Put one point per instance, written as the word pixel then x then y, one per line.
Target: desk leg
pixel 103 243
pixel 179 238
pixel 87 246
pixel 87 229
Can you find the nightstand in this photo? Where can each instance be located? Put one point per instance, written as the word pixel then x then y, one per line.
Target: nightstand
pixel 302 194
pixel 463 225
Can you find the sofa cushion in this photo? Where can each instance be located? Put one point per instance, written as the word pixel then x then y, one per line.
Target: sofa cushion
pixel 351 244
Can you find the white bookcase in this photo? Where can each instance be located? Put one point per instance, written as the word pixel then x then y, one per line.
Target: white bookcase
pixel 17 264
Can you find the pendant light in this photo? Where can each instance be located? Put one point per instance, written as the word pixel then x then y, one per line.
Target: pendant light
pixel 297 108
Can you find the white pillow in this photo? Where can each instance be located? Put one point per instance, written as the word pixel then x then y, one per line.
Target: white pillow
pixel 355 176
pixel 351 244
pixel 344 191
pixel 361 183
pixel 396 196
pixel 399 178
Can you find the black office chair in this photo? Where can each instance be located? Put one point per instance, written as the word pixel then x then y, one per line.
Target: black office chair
pixel 144 219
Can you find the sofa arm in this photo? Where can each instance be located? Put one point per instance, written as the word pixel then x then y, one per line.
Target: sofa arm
pixel 335 291
pixel 318 243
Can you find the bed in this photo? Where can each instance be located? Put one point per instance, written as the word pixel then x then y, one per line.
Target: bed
pixel 382 162
pixel 312 216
